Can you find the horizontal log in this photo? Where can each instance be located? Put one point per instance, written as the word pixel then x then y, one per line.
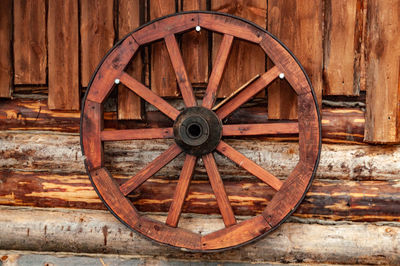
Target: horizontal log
pixel 332 200
pixel 88 231
pixel 33 151
pixel 338 125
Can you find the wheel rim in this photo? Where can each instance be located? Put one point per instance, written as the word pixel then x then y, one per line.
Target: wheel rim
pixel 288 193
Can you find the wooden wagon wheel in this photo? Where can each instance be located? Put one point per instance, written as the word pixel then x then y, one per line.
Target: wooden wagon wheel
pixel 198 132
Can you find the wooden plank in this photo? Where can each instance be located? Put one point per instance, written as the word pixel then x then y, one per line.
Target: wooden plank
pixel 131 134
pixel 246 59
pixel 30 50
pixel 334 200
pixel 99 232
pixel 260 129
pixel 97 34
pixel 63 43
pixel 5 46
pixel 342 47
pixel 163 81
pixel 382 72
pixel 194 47
pixel 298 24
pixel 130 17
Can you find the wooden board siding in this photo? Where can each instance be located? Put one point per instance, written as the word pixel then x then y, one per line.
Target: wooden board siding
pixel 342 47
pixel 30 49
pixel 130 16
pixel 163 81
pixel 382 71
pixel 5 46
pixel 63 43
pixel 298 24
pixel 194 47
pixel 246 59
pixel 97 34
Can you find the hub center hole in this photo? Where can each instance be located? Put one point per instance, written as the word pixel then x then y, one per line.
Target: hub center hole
pixel 194 130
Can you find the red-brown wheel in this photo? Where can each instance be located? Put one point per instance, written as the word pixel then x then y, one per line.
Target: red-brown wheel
pixel 198 131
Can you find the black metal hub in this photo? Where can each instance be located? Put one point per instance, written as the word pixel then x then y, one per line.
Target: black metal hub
pixel 197 130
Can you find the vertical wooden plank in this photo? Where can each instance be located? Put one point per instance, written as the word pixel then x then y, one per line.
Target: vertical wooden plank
pixel 195 47
pixel 163 81
pixel 383 71
pixel 342 45
pixel 63 43
pixel 129 18
pixel 97 34
pixel 246 59
pixel 5 46
pixel 30 51
pixel 298 24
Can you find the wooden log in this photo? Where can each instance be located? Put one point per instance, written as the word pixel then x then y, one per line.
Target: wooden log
pixel 63 47
pixel 163 81
pixel 129 18
pixel 87 231
pixel 33 151
pixel 298 24
pixel 364 201
pixel 97 34
pixel 342 47
pixel 246 59
pixel 382 72
pixel 338 125
pixel 30 50
pixel 6 67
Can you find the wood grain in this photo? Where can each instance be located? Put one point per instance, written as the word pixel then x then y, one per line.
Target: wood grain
pixel 6 72
pixel 131 134
pixel 246 59
pixel 30 49
pixel 298 24
pixel 342 47
pixel 130 16
pixel 382 72
pixel 260 129
pixel 97 34
pixel 162 74
pixel 194 46
pixel 63 43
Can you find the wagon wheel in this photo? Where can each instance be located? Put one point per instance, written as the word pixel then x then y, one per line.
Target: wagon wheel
pixel 198 131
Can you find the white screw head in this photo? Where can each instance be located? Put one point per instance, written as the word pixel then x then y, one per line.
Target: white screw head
pixel 198 28
pixel 116 81
pixel 281 76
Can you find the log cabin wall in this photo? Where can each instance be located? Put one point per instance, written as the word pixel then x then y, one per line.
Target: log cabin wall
pixel 351 52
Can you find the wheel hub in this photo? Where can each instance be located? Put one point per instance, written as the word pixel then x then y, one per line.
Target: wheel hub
pixel 197 130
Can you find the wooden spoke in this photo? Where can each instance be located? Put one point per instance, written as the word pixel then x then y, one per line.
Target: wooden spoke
pixel 218 71
pixel 181 190
pixel 131 134
pixel 247 93
pixel 150 169
pixel 180 71
pixel 260 129
pixel 219 190
pixel 249 165
pixel 149 95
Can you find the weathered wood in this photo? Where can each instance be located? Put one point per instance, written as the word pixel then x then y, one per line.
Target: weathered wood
pixel 129 18
pixel 63 44
pixel 30 50
pixel 342 47
pixel 246 59
pixel 298 24
pixel 351 162
pixel 162 74
pixel 382 72
pixel 6 71
pixel 338 125
pixel 131 134
pixel 97 34
pixel 194 47
pixel 360 201
pixel 99 232
pixel 260 129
